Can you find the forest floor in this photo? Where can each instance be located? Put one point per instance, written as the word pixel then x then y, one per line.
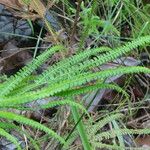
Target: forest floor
pixel 24 34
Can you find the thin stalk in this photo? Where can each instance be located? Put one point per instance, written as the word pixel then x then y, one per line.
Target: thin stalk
pixel 81 129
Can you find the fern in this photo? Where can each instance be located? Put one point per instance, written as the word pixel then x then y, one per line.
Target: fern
pixel 113 133
pixel 9 126
pixel 69 77
pixel 34 124
pixel 54 70
pixel 96 137
pixel 93 87
pixel 110 55
pixel 95 128
pixel 69 71
pixel 68 67
pixel 13 81
pixel 9 137
pixel 71 139
pixel 68 62
pixel 67 84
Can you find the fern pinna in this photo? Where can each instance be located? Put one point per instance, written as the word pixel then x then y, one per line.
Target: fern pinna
pixel 65 79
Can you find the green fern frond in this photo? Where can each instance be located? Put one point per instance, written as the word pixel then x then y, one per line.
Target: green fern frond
pixel 61 66
pixel 79 80
pixel 13 81
pixel 57 69
pixel 8 126
pixel 71 139
pixel 97 61
pixel 10 138
pixel 68 84
pixel 113 133
pixel 97 86
pixel 103 122
pixel 57 73
pixel 107 146
pixel 32 123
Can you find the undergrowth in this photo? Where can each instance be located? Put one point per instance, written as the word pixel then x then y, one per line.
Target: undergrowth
pixel 73 76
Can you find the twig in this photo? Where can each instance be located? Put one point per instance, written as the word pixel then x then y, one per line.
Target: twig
pixel 75 21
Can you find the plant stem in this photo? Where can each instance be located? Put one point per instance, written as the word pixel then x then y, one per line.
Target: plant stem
pixel 81 129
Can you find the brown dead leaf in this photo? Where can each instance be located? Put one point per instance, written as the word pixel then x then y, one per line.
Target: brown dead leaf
pixel 142 141
pixel 39 7
pixel 13 59
pixel 11 3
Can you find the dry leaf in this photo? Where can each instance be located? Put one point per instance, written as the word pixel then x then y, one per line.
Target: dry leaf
pixel 11 3
pixel 142 141
pixel 13 59
pixel 39 7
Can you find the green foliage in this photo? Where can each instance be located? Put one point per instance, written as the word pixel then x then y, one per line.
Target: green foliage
pixel 13 81
pixel 34 124
pixel 69 77
pixel 9 137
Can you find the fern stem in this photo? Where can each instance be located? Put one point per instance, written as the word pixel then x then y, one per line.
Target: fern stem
pixel 81 129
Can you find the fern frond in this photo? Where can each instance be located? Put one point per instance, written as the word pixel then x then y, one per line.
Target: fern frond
pixel 68 84
pixel 10 138
pixel 113 147
pixel 8 126
pixel 97 86
pixel 70 67
pixel 113 54
pixel 103 122
pixel 61 66
pixel 82 79
pixel 57 69
pixel 13 81
pixel 107 146
pixel 102 59
pixel 71 139
pixel 32 123
pixel 113 133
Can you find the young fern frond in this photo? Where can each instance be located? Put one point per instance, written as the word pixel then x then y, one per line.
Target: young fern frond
pixel 32 123
pixel 13 81
pixel 10 138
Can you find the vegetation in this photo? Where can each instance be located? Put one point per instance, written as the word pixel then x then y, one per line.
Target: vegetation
pixel 76 75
